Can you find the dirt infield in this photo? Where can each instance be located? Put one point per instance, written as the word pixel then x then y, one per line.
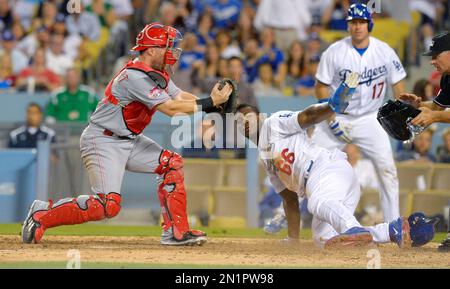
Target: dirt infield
pixel 231 252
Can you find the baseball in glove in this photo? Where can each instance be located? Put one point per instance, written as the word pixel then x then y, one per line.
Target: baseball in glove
pixel 230 105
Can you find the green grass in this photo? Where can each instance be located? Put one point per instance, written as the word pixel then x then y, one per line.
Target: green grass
pixel 155 231
pixel 145 231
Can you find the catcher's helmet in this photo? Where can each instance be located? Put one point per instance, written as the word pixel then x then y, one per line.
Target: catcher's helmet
pixel 421 229
pixel 157 35
pixel 394 117
pixel 360 11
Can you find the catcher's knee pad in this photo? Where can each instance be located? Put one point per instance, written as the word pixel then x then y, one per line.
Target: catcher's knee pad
pixel 112 204
pixel 172 193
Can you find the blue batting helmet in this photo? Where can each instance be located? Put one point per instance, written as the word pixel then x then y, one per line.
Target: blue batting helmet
pixel 360 11
pixel 421 229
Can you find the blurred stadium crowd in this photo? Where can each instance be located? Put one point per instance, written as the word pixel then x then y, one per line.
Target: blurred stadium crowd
pixel 271 47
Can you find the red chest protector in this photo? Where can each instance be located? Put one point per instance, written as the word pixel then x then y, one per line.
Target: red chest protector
pixel 136 114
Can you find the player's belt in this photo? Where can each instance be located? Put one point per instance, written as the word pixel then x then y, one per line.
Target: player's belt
pixel 306 175
pixel 107 132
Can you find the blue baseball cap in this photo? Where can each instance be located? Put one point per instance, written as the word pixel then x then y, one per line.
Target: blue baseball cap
pixel 8 36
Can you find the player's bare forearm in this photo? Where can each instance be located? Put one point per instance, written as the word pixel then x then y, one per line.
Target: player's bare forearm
pixel 183 95
pixel 322 90
pixel 398 88
pixel 292 210
pixel 314 114
pixel 178 106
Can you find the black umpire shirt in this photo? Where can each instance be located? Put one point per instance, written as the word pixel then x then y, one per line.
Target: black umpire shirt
pixel 443 97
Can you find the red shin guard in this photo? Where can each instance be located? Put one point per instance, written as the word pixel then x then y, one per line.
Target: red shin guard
pixel 77 211
pixel 172 193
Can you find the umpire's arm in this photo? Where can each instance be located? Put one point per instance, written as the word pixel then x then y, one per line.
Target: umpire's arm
pixel 292 210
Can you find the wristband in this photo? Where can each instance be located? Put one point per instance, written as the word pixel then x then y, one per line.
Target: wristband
pixel 207 105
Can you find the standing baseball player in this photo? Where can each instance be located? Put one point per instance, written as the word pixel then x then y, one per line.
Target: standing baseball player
pixel 378 66
pixel 113 142
pixel 434 111
pixel 297 167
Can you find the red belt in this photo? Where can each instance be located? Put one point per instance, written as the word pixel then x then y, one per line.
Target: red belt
pixel 107 132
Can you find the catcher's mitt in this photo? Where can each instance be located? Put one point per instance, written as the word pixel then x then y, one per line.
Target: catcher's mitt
pixel 230 105
pixel 395 117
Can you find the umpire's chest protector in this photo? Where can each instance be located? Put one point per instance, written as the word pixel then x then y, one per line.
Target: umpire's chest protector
pixel 137 115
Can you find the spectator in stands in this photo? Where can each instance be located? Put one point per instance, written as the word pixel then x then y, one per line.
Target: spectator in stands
pixel 168 13
pixel 235 72
pixel 334 16
pixel 46 15
pixel 421 149
pixel 33 131
pixel 317 8
pixel 423 89
pixel 18 31
pixel 264 85
pixel 120 32
pixel 9 47
pixel 305 85
pixel 206 137
pixel 57 59
pixel 190 56
pixel 85 24
pixel 314 45
pixel 6 15
pixel 123 9
pixel 295 67
pixel 428 14
pixel 225 13
pixel 104 11
pixel 210 67
pixel 7 77
pixel 25 10
pixel 72 42
pixel 38 39
pixel 190 62
pixel 74 102
pixel 204 32
pixel 288 19
pixel 271 53
pixel 443 151
pixel 252 56
pixel 226 46
pixel 37 77
pixel 245 30
pixel 187 16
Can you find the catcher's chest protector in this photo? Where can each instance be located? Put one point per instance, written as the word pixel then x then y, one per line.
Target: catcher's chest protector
pixel 136 114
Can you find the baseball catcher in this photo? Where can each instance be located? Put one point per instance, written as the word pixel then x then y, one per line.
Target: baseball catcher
pixel 113 142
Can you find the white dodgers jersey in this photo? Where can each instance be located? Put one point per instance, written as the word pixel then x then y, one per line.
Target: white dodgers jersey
pixel 287 152
pixel 379 66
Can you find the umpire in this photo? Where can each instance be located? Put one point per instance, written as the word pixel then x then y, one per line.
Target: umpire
pixel 434 111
